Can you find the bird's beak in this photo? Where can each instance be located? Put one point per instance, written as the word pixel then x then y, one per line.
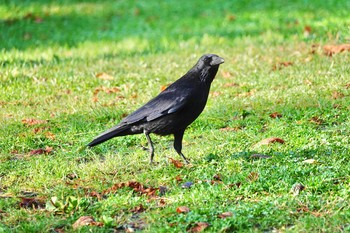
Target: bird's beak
pixel 217 61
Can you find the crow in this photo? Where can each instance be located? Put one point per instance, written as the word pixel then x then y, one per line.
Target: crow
pixel 172 110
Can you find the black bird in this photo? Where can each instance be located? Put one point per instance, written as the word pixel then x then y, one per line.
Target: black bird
pixel 173 109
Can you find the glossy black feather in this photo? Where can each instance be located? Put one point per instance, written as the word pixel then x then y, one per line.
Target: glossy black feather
pixel 173 109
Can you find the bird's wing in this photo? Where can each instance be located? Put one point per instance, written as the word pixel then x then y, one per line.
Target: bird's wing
pixel 167 102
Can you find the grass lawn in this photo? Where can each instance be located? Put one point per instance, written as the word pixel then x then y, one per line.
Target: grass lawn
pixel 270 152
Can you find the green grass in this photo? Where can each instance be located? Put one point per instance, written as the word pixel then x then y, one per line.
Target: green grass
pixel 51 52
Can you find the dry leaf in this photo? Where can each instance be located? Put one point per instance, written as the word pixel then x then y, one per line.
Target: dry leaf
pixel 178 178
pixel 253 176
pixel 337 95
pixel 104 76
pixel 33 121
pixel 215 93
pixel 161 202
pixel 217 177
pixel 268 141
pixel 138 209
pixel 226 74
pixel 231 85
pixel 225 215
pixel 176 163
pixel 230 129
pixel 330 50
pixel 50 135
pixel 32 203
pixel 280 65
pixel 182 209
pixel 40 151
pixel 307 30
pixel 317 120
pixel 198 227
pixel 86 221
pixel 276 115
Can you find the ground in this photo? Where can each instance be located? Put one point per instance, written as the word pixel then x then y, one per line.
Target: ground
pixel 268 154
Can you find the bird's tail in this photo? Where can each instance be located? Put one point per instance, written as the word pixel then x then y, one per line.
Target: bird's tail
pixel 118 130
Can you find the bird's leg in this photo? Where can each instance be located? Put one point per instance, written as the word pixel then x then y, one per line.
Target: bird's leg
pixel 150 144
pixel 178 144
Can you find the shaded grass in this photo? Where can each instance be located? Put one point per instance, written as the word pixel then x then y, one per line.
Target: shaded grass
pixel 52 51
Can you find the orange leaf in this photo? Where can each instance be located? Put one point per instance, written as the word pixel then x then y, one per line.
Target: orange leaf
pixel 198 227
pixel 104 76
pixel 182 209
pixel 50 135
pixel 268 141
pixel 178 178
pixel 225 215
pixel 33 121
pixel 275 115
pixel 329 50
pixel 279 65
pixel 176 163
pixel 162 88
pixel 86 221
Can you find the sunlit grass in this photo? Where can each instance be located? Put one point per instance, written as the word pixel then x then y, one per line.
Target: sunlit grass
pixel 52 53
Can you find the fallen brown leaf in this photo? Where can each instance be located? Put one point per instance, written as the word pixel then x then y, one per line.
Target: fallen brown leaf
pixel 50 135
pixel 161 202
pixel 280 65
pixel 104 76
pixel 276 115
pixel 182 209
pixel 33 121
pixel 40 151
pixel 231 85
pixel 217 177
pixel 337 95
pixel 307 30
pixel 176 163
pixel 226 74
pixel 268 141
pixel 215 93
pixel 32 203
pixel 198 227
pixel 230 129
pixel 330 50
pixel 178 178
pixel 317 120
pixel 253 176
pixel 86 221
pixel 138 209
pixel 225 215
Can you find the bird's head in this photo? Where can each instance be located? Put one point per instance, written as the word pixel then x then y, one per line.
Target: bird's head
pixel 208 66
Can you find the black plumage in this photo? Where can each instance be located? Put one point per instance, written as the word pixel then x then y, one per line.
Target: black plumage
pixel 173 109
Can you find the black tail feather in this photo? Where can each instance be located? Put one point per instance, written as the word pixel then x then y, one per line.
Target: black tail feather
pixel 119 130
